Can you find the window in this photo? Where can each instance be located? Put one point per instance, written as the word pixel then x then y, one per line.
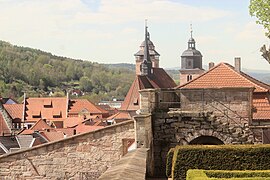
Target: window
pixel 189 78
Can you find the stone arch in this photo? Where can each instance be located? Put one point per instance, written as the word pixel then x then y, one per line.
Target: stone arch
pixel 223 137
pixel 206 140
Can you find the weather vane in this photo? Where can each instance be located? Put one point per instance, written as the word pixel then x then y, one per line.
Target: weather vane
pixel 191 29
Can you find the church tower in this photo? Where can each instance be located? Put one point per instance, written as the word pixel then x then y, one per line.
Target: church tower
pixel 191 62
pixel 152 53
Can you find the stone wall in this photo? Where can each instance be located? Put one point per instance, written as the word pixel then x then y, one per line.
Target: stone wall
pixel 229 104
pixel 84 156
pixel 179 127
pixel 224 114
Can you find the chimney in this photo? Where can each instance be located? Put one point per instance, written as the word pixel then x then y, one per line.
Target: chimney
pixel 211 65
pixel 237 64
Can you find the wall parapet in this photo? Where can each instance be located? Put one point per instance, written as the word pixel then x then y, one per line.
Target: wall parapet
pixel 132 166
pixel 82 156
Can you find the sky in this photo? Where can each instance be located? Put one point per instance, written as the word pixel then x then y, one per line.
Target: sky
pixel 111 31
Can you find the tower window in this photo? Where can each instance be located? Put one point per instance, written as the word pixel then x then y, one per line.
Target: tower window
pixel 189 78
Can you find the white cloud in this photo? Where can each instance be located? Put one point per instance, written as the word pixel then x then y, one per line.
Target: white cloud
pixel 119 11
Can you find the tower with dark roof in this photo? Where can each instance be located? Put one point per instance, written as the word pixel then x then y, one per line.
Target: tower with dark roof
pixel 148 76
pixel 146 66
pixel 191 62
pixel 152 53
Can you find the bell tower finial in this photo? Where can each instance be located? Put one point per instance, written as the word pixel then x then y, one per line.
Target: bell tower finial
pixel 147 63
pixel 191 31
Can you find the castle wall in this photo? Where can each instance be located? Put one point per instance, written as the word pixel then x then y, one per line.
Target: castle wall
pixel 84 156
pixel 221 113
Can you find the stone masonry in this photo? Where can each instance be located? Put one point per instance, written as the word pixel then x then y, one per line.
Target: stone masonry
pixel 223 114
pixel 84 156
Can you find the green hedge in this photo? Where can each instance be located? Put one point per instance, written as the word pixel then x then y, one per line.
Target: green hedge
pixel 195 174
pixel 169 163
pixel 221 157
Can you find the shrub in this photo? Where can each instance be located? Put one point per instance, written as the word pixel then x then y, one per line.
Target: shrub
pixel 222 157
pixel 195 174
pixel 169 163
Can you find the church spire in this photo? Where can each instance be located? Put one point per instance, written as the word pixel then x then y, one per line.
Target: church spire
pixel 147 63
pixel 191 41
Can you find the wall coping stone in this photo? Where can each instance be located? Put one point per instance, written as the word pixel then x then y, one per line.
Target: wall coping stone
pixel 130 167
pixel 66 139
pixel 177 112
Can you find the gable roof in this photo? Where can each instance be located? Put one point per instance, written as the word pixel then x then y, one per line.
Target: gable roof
pixel 53 135
pixel 82 128
pixel 224 75
pixel 14 110
pixel 40 125
pixel 122 115
pixel 40 106
pixel 158 79
pixel 77 105
pixel 4 129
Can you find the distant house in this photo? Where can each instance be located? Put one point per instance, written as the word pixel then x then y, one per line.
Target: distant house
pixel 58 110
pixel 224 75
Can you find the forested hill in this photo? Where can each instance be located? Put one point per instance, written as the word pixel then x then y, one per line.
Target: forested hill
pixel 37 73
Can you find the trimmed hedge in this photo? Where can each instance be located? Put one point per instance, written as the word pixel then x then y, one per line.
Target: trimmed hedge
pixel 195 174
pixel 169 163
pixel 220 157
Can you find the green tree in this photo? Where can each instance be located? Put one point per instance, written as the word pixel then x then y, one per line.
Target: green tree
pixel 261 9
pixel 86 84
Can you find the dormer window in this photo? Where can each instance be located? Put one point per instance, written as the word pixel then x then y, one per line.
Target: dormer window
pixel 57 114
pixel 47 103
pixel 135 101
pixel 36 114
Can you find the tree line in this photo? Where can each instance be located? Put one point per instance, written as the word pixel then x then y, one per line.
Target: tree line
pixel 38 73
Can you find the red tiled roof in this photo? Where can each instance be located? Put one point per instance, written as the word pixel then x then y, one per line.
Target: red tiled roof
pixel 14 110
pixel 72 121
pixel 159 79
pixel 36 106
pixel 38 126
pixel 120 115
pixel 67 131
pixel 82 128
pixel 77 105
pixel 3 126
pixel 53 135
pixel 224 75
pixel 261 106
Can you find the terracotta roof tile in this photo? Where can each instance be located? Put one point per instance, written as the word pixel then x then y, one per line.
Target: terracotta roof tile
pixel 261 104
pixel 14 110
pixel 40 125
pixel 3 126
pixel 224 75
pixel 67 131
pixel 159 79
pixel 53 135
pixel 39 106
pixel 72 121
pixel 82 128
pixel 120 115
pixel 78 105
